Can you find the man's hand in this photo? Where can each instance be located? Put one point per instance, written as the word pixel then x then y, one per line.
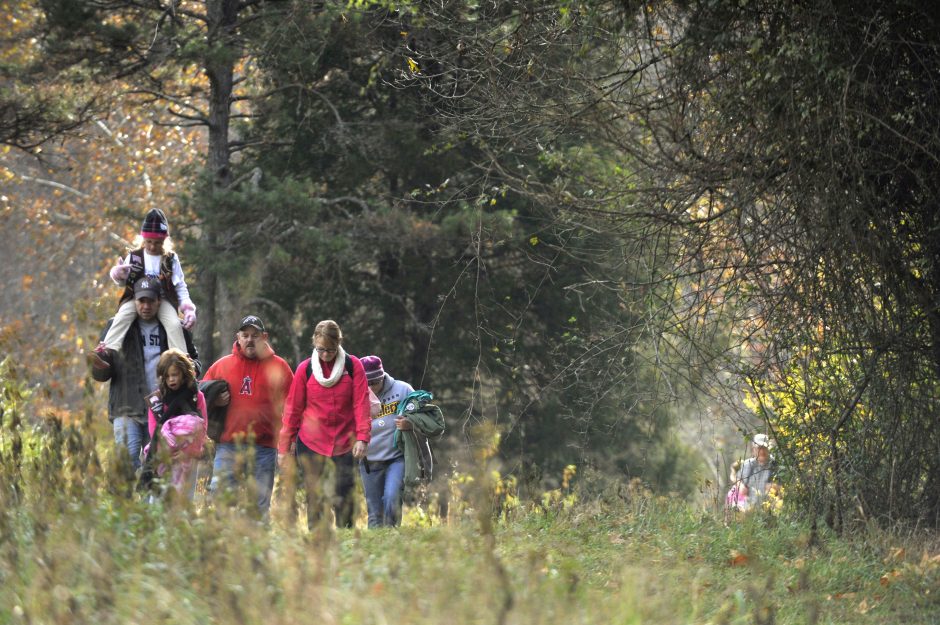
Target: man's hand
pixel 189 314
pixel 223 399
pixel 360 449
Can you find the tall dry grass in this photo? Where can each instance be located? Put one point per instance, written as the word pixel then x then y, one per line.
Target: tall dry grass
pixel 77 545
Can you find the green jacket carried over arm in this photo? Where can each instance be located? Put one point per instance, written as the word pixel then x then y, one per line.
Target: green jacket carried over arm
pixel 428 422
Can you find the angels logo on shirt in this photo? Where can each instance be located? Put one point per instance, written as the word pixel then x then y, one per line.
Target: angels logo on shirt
pixel 246 386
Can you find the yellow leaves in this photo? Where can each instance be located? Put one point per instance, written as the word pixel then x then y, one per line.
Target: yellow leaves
pixel 413 65
pixel 705 206
pixel 568 475
pixel 27 282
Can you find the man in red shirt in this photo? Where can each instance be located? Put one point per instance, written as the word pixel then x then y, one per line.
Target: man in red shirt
pixel 259 381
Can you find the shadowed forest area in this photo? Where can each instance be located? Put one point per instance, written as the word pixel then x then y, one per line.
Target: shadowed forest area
pixel 614 239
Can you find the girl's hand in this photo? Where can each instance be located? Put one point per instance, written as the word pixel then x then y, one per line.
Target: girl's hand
pixel 120 272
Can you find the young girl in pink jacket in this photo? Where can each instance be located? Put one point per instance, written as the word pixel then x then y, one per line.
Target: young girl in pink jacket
pixel 178 410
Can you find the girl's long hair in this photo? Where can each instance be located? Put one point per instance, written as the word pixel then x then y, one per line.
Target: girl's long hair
pixel 173 357
pixel 138 243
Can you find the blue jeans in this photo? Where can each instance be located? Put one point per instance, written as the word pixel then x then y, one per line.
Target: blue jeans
pixel 133 435
pixel 231 466
pixel 382 483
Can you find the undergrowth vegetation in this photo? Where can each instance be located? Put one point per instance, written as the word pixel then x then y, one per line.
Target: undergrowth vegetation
pixel 76 546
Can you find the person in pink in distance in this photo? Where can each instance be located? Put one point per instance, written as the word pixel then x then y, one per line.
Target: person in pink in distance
pixel 736 498
pixel 178 410
pixel 153 257
pixel 755 478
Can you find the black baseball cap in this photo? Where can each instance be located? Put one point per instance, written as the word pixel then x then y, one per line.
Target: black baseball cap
pixel 253 321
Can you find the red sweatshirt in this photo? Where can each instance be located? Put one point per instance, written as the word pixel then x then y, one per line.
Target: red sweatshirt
pixel 258 387
pixel 329 420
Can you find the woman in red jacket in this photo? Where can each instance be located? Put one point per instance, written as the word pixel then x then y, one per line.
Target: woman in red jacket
pixel 326 419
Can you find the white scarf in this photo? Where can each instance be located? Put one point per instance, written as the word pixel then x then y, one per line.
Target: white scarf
pixel 339 366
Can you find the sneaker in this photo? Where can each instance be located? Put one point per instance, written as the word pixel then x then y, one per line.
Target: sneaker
pixel 99 358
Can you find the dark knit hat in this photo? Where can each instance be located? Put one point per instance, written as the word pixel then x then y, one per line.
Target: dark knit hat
pixel 373 367
pixel 155 225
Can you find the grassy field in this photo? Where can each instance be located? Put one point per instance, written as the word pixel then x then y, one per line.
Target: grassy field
pixel 76 546
pixel 72 552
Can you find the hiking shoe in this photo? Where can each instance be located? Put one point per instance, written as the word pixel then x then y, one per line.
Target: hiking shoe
pixel 100 358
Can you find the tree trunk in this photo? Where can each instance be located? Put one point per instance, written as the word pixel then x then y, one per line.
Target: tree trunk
pixel 220 66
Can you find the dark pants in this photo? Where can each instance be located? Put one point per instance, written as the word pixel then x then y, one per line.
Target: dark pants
pixel 318 491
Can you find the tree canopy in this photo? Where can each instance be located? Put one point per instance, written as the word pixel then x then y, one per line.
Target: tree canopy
pixel 576 221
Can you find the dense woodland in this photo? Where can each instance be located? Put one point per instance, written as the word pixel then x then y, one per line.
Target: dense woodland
pixel 586 227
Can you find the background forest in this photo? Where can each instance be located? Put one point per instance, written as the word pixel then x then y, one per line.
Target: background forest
pixel 619 235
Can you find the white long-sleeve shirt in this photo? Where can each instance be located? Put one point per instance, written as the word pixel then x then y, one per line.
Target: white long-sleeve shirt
pixel 152 268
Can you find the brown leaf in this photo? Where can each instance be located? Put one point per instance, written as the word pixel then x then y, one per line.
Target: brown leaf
pixel 896 555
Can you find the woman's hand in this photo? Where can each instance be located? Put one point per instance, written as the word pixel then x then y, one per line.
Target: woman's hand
pixel 403 424
pixel 360 449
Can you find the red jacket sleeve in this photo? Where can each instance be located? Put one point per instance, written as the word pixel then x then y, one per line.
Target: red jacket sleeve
pixel 293 409
pixel 361 402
